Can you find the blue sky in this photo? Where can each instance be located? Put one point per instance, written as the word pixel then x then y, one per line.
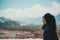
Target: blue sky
pixel 4 4
pixel 16 9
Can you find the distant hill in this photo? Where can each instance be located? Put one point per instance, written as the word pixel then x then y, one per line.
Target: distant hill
pixel 29 21
pixel 5 22
pixel 32 21
pixel 2 19
pixel 58 19
pixel 38 20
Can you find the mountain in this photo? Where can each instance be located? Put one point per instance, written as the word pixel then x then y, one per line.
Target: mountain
pixel 2 19
pixel 57 19
pixel 10 24
pixel 32 21
pixel 5 22
pixel 28 21
pixel 38 20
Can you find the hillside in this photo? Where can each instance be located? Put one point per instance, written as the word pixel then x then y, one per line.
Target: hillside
pixel 4 22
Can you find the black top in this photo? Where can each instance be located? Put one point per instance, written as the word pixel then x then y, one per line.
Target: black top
pixel 49 32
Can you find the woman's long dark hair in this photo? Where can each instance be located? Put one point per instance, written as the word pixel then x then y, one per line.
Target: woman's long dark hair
pixel 50 19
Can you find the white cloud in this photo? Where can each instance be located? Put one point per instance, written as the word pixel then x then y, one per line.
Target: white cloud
pixel 56 8
pixel 35 11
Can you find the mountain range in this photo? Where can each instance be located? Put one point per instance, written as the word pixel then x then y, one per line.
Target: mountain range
pixel 38 20
pixel 6 22
pixel 57 19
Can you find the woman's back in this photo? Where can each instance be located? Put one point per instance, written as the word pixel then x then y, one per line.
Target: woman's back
pixel 49 33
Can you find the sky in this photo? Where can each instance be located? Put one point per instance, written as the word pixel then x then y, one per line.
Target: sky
pixel 16 9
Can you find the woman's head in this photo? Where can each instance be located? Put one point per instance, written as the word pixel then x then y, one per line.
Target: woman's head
pixel 46 18
pixel 49 19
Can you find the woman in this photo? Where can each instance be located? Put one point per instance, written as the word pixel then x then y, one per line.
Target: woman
pixel 49 27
